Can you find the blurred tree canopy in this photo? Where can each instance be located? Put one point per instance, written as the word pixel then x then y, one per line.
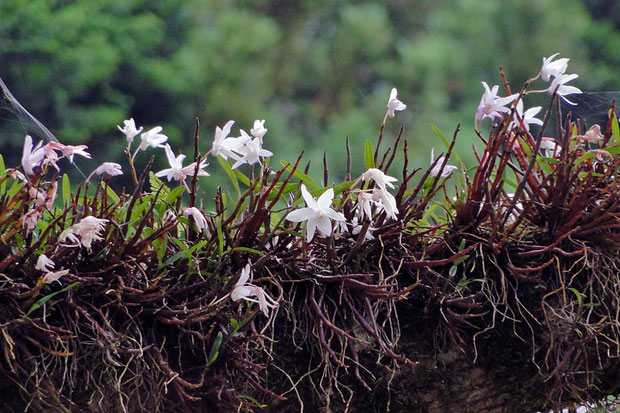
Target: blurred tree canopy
pixel 317 70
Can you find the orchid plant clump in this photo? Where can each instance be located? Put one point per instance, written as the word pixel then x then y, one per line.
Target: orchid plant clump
pixel 205 306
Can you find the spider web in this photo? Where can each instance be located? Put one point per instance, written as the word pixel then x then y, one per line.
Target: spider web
pixel 591 107
pixel 14 116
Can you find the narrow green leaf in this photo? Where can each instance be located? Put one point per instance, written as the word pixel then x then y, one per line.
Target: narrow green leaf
pixel 446 143
pixel 233 178
pixel 66 190
pixel 245 249
pixel 585 157
pixel 111 194
pixel 369 157
pixel 48 297
pixel 578 295
pixel 215 349
pixel 615 130
pixel 300 175
pixel 2 175
pixel 174 258
pixel 240 176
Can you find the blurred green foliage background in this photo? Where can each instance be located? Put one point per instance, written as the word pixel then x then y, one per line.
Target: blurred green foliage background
pixel 316 70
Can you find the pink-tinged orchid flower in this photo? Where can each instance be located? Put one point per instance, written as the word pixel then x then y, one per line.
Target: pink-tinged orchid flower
pixel 44 198
pixel 177 171
pixel 69 150
pixel 394 104
pixel 318 213
pixel 110 168
pixel 199 219
pixel 88 230
pixel 592 134
pixel 30 219
pixel 52 276
pixel 244 290
pixel 31 157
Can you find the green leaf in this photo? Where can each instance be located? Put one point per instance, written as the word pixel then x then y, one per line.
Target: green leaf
pixel 215 349
pixel 66 190
pixel 245 249
pixel 544 163
pixel 300 175
pixel 2 175
pixel 111 194
pixel 369 158
pixel 157 183
pixel 578 295
pixel 240 176
pixel 253 400
pixel 174 258
pixel 584 157
pixel 174 194
pixel 446 143
pixel 48 297
pixel 233 178
pixel 615 130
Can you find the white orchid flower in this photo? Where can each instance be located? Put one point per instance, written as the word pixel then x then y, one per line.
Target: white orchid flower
pixel 88 230
pixel 447 170
pixel 381 179
pixel 563 89
pixel 244 290
pixel 528 116
pixel 386 201
pixel 44 263
pixel 317 212
pixel 199 219
pixel 223 145
pixel 259 131
pixel 551 68
pixel 177 171
pixel 31 157
pixel 110 168
pixel 129 129
pixel 152 138
pixel 251 152
pixel 394 104
pixel 491 105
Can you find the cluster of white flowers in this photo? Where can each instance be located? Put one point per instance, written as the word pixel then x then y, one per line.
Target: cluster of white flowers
pixel 492 106
pixel 84 232
pixel 242 149
pixel 46 265
pixel 319 214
